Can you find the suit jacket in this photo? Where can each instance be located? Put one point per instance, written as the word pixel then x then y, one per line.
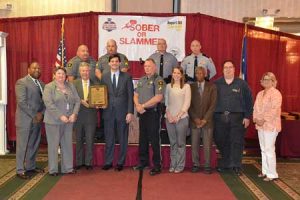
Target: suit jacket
pixel 203 107
pixel 29 101
pixel 121 99
pixel 57 103
pixel 85 115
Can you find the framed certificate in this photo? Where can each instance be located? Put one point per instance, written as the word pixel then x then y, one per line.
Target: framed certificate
pixel 98 96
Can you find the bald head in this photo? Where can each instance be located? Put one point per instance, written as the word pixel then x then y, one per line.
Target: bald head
pixel 196 47
pixel 111 46
pixel 83 52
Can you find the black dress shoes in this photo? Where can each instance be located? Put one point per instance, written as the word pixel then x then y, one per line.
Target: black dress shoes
pixel 119 168
pixel 107 167
pixel 237 171
pixel 221 169
pixel 155 171
pixel 89 167
pixel 195 169
pixel 23 176
pixel 36 170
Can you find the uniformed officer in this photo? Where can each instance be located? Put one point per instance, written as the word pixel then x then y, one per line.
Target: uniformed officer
pixel 82 55
pixel 147 97
pixel 164 60
pixel 102 64
pixel 197 58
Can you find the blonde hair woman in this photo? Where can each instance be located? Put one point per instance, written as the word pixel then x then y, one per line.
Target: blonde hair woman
pixel 266 116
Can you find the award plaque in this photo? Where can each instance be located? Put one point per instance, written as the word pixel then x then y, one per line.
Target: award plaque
pixel 98 96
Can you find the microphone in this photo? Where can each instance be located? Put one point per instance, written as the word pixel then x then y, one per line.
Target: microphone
pixel 141 61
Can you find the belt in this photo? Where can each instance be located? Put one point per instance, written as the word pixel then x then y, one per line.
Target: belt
pixel 227 113
pixel 150 109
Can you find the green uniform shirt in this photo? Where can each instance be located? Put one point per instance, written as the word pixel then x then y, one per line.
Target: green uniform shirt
pixel 149 87
pixel 73 67
pixel 103 66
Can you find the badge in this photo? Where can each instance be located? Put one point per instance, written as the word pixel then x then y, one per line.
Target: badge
pixel 160 83
pixel 69 65
pixel 202 62
pixel 236 90
pixel 139 84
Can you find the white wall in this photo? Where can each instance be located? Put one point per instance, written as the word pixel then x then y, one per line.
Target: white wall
pixel 25 8
pixel 228 9
pixel 235 10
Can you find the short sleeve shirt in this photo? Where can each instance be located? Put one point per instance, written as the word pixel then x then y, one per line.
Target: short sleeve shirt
pixel 169 62
pixel 188 65
pixel 149 87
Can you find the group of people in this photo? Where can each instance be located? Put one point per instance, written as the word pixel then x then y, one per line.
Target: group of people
pixel 219 110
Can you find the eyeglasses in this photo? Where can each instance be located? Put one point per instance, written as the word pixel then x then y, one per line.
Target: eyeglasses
pixel 228 67
pixel 266 79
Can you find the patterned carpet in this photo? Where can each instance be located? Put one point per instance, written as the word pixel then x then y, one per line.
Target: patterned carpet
pixel 245 187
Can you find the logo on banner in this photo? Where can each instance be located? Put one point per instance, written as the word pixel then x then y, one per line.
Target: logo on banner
pixel 109 25
pixel 177 25
pixel 132 25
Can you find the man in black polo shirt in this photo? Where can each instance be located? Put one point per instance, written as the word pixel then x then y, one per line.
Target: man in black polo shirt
pixel 232 117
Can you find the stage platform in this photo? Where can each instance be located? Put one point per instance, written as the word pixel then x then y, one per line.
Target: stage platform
pixel 132 155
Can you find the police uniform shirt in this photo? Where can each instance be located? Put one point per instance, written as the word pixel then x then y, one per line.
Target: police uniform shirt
pixel 149 87
pixel 73 67
pixel 188 65
pixel 234 97
pixel 169 61
pixel 104 67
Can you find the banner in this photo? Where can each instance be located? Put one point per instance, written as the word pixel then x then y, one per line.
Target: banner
pixel 137 36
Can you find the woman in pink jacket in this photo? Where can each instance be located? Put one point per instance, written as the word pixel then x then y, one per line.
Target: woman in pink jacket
pixel 266 116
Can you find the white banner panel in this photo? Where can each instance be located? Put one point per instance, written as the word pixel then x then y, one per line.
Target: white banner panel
pixel 137 36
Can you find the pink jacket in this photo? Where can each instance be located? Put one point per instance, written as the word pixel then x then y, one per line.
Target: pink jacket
pixel 268 107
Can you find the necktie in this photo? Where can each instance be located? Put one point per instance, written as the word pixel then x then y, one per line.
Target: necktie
pixel 114 82
pixel 85 90
pixel 38 85
pixel 161 66
pixel 200 90
pixel 195 65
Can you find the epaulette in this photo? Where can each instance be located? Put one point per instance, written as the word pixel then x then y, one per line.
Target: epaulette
pixel 205 55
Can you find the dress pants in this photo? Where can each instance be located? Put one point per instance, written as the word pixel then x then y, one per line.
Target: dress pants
pixel 206 133
pixel 267 141
pixel 177 136
pixel 229 135
pixel 121 127
pixel 149 131
pixel 84 132
pixel 60 134
pixel 28 141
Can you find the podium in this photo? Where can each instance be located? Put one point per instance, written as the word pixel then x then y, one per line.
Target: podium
pixel 3 94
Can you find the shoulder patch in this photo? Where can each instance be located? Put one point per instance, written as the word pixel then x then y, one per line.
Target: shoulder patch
pixel 69 65
pixel 205 55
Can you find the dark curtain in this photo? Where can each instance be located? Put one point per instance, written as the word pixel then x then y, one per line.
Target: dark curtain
pixel 37 38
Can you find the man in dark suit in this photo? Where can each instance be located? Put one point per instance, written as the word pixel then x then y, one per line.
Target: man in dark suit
pixel 119 112
pixel 29 118
pixel 203 102
pixel 85 126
